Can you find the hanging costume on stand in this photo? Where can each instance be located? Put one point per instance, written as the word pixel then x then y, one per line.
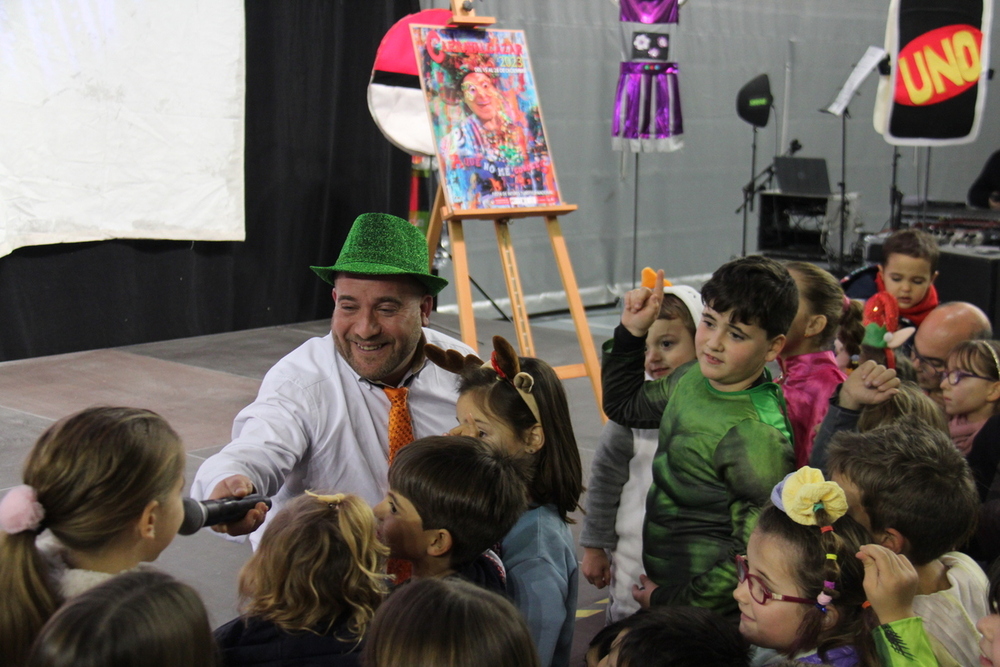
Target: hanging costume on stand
pixel 647 113
pixel 649 11
pixel 647 108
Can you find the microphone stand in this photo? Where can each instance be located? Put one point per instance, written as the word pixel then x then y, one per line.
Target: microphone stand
pixel 895 195
pixel 843 187
pixel 751 189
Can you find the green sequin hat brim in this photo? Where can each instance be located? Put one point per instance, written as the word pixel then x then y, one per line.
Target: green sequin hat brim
pixel 380 244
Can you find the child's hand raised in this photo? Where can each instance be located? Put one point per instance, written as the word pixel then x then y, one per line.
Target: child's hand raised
pixel 890 582
pixel 870 384
pixel 642 307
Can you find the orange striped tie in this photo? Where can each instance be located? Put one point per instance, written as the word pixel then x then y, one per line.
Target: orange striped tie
pixel 400 425
pixel 400 434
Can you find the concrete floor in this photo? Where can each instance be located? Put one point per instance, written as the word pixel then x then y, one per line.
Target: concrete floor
pixel 199 384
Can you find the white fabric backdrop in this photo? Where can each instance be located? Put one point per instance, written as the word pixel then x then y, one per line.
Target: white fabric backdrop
pixel 121 119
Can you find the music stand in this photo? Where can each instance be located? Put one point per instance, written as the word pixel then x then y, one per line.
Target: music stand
pixel 839 107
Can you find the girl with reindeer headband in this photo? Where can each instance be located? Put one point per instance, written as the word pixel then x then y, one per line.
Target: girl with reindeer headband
pixel 519 404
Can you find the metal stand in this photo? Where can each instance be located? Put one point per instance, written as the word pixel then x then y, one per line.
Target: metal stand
pixel 895 195
pixel 751 189
pixel 839 263
pixel 749 192
pixel 635 224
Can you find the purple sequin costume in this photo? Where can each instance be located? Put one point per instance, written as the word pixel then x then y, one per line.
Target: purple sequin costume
pixel 647 108
pixel 649 11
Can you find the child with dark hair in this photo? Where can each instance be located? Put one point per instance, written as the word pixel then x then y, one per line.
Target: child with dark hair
pixel 312 587
pixel 724 438
pixel 600 645
pixel 907 272
pixel 135 619
pixel 622 469
pixel 447 623
pixel 679 637
pixel 450 499
pixel 800 586
pixel 915 492
pixel 519 405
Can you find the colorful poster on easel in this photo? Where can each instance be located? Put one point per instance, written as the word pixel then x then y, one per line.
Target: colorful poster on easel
pixel 486 118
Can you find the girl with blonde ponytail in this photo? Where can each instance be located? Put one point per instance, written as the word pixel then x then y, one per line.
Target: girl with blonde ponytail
pixel 101 494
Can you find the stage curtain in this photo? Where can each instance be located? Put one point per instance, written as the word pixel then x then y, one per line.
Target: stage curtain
pixel 314 160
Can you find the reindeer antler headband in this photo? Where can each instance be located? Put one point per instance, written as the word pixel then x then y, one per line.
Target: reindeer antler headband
pixel 503 361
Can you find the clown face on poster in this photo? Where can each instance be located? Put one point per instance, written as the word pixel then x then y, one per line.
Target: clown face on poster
pixel 486 119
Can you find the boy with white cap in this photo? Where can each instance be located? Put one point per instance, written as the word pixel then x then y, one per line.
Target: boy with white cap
pixel 621 473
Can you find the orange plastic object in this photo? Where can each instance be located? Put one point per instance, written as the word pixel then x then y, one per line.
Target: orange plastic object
pixel 648 278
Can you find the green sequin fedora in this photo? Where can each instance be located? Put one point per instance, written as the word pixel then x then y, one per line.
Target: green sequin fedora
pixel 380 244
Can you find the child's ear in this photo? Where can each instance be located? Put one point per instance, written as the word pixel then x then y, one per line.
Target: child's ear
pixel 148 520
pixel 934 276
pixel 892 540
pixel 993 395
pixel 815 325
pixel 440 543
pixel 535 439
pixel 774 347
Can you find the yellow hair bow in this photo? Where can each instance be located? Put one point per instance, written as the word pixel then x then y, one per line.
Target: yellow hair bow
pixel 805 491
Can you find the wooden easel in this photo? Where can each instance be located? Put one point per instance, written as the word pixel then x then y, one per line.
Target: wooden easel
pixel 591 366
pixel 464 16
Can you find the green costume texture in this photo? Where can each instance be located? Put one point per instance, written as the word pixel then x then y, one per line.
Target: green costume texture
pixel 719 455
pixel 904 643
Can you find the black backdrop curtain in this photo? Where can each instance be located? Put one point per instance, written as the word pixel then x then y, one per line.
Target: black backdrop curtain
pixel 314 160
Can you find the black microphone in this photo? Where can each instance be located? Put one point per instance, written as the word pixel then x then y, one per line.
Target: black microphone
pixel 201 513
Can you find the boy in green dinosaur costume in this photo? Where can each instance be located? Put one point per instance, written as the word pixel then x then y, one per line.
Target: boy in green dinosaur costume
pixel 724 437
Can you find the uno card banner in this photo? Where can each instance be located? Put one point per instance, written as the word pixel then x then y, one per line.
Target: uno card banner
pixel 485 117
pixel 936 91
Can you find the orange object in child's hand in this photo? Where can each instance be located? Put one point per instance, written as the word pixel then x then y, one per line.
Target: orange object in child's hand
pixel 648 278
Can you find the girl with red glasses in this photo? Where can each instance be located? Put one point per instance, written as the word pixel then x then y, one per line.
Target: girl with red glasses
pixel 800 588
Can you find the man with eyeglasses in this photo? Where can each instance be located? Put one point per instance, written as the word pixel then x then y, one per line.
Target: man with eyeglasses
pixel 945 327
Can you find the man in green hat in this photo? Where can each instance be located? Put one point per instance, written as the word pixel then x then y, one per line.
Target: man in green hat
pixel 322 417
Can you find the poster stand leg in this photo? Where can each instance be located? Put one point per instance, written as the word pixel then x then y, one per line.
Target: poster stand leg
pixel 525 342
pixel 463 289
pixel 434 227
pixel 591 367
